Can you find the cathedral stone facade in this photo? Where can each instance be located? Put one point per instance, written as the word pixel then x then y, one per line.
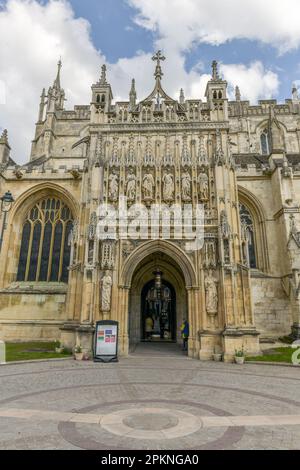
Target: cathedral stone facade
pixel 240 163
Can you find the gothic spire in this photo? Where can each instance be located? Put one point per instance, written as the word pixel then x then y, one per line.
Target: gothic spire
pixel 57 80
pixel 42 105
pixel 4 148
pixel 215 72
pixel 132 94
pixel 237 94
pixel 103 75
pixel 4 137
pixel 181 98
pixel 295 94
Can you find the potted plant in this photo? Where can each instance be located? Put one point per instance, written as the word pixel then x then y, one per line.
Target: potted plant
pixel 239 356
pixel 78 353
pixel 58 347
pixel 217 355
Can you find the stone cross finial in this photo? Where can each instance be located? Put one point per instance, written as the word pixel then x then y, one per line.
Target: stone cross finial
pixel 158 57
pixel 103 75
pixel 215 73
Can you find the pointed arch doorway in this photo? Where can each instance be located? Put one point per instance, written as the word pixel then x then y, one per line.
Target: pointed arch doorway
pixel 158 310
pixel 158 295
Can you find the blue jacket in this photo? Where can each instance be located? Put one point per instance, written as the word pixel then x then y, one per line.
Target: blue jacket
pixel 185 330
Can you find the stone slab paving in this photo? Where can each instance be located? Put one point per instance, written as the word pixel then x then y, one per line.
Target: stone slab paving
pixel 157 398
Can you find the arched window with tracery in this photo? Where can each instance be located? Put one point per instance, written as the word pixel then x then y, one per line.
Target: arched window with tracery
pixel 265 142
pixel 248 237
pixel 45 249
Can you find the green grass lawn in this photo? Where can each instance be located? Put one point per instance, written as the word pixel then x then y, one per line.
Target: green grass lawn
pixel 32 350
pixel 275 355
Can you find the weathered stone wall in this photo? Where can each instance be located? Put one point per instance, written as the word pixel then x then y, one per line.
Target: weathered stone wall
pixel 272 311
pixel 32 315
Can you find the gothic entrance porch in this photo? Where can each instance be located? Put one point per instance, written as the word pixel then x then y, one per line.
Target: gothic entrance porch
pixel 158 310
pixel 157 301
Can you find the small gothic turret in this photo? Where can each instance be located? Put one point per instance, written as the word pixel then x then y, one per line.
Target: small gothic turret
pixel 216 95
pixel 56 95
pixel 4 148
pixel 237 94
pixel 101 97
pixel 295 94
pixel 132 95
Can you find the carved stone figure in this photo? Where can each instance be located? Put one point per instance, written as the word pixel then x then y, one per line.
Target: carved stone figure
pixel 168 189
pixel 186 186
pixel 106 285
pixel 203 186
pixel 211 294
pixel 131 186
pixel 210 254
pixel 148 186
pixel 113 186
pixel 225 227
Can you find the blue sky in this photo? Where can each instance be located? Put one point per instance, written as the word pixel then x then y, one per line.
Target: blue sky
pixel 257 44
pixel 117 16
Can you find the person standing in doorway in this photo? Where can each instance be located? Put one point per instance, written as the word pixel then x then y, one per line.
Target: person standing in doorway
pixel 149 327
pixel 185 331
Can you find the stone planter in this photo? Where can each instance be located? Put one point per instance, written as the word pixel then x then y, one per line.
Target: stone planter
pixel 78 356
pixel 217 357
pixel 239 360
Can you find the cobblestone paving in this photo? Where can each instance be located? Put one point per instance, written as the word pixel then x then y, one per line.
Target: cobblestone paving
pixel 155 399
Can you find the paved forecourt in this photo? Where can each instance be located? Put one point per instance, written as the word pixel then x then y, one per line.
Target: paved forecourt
pixel 155 399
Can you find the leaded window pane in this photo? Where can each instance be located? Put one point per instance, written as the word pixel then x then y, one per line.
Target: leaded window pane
pixel 45 253
pixel 248 233
pixel 66 255
pixel 34 252
pixel 56 252
pixel 24 252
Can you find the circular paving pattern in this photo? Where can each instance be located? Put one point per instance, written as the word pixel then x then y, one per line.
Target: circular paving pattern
pixel 151 423
pixel 173 425
pixel 147 403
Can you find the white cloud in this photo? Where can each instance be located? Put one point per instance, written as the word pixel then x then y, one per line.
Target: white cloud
pixel 182 22
pixel 33 36
pixel 254 81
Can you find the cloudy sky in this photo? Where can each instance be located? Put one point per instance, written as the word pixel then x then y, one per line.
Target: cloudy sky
pixel 256 42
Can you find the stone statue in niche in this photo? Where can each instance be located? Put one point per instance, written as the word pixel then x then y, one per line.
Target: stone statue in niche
pixel 211 292
pixel 210 260
pixel 113 189
pixel 148 186
pixel 131 186
pixel 186 186
pixel 203 186
pixel 106 285
pixel 168 188
pixel 225 227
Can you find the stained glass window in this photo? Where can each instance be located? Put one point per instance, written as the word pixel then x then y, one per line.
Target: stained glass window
pixel 265 142
pixel 45 252
pixel 248 231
